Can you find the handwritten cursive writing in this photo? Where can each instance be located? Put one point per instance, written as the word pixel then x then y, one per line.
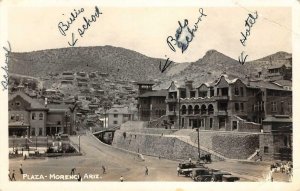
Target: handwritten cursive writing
pixel 184 34
pixel 88 22
pixel 63 27
pixel 249 22
pixel 4 82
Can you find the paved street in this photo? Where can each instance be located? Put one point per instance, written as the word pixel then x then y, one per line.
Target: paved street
pixel 119 163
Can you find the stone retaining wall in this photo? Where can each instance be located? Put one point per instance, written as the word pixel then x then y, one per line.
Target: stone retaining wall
pixel 156 145
pixel 232 145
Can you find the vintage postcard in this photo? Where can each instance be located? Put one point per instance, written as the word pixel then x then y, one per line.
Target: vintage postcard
pixel 142 95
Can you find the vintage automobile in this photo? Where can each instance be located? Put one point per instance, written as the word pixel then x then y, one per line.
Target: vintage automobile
pixel 212 176
pixel 186 168
pixel 199 171
pixel 230 178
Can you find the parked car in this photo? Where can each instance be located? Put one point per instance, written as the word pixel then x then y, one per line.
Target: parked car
pixel 186 168
pixel 199 171
pixel 215 176
pixel 230 178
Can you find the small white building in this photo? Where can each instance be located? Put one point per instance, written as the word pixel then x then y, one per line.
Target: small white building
pixel 119 114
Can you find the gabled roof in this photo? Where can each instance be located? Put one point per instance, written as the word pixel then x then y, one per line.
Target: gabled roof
pixel 227 79
pixel 35 104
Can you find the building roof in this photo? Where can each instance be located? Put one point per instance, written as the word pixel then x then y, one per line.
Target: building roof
pixel 283 83
pixel 18 124
pixel 58 108
pixel 155 93
pixel 278 119
pixel 145 83
pixel 119 110
pixel 265 84
pixel 35 104
pixel 278 64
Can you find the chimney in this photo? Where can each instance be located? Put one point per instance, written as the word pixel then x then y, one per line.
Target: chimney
pixel 247 80
pixel 189 84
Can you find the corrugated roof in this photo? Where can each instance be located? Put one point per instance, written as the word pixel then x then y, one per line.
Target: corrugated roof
pixel 155 93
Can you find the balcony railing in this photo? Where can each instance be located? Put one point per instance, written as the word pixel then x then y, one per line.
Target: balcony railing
pixel 171 113
pixel 222 97
pixel 221 113
pixel 171 100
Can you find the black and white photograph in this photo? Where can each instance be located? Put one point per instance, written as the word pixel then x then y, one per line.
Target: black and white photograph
pixel 185 94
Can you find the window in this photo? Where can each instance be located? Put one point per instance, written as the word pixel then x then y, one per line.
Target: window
pixel 115 115
pixel 202 123
pixel 236 91
pixel 290 108
pixel 202 94
pixel 212 92
pixel 222 122
pixel 18 103
pixel 22 117
pixel 40 131
pixel 210 122
pixel 234 125
pixel 182 94
pixel 41 116
pixel 12 117
pixel 33 116
pixel 33 132
pixel 190 122
pixel 237 106
pixel 192 94
pixel 115 122
pixel 242 106
pixel 242 91
pixel 182 122
pixel 58 122
pixel 266 149
pixel 274 106
pixel 17 117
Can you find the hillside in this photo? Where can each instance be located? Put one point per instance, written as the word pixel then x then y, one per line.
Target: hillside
pixel 209 68
pixel 120 62
pixel 124 64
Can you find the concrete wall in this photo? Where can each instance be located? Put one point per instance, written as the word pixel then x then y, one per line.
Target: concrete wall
pixel 156 145
pixel 229 144
pixel 235 145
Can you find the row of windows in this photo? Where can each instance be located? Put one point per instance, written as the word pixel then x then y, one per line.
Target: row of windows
pixel 238 91
pixel 17 117
pixel 239 106
pixel 40 133
pixel 34 116
pixel 274 106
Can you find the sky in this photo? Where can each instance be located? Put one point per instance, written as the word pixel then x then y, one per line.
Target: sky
pixel 145 30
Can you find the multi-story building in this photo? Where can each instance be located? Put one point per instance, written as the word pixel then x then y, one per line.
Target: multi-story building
pixel 119 114
pixel 151 103
pixel 29 117
pixel 226 104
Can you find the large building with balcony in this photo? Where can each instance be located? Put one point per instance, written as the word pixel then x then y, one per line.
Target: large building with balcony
pixel 151 103
pixel 226 104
